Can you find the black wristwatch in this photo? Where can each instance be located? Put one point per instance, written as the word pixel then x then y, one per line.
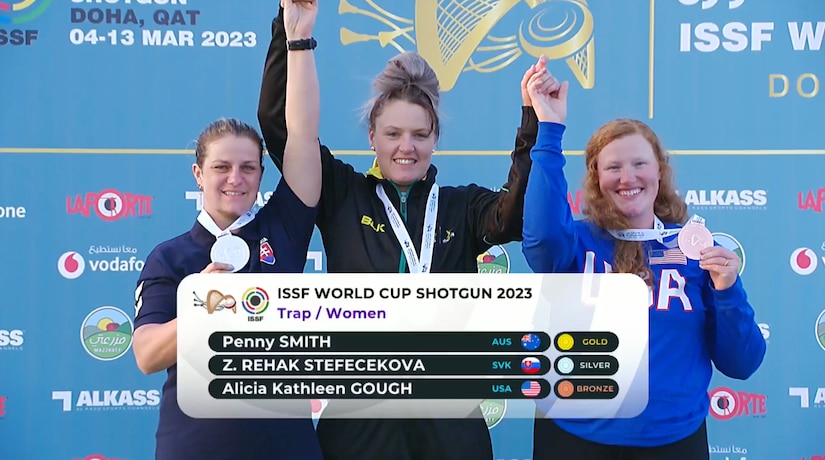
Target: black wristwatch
pixel 302 44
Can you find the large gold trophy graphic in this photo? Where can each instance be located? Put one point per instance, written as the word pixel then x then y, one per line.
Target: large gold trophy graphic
pixel 454 35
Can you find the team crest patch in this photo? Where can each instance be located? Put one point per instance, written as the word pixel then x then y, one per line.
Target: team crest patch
pixel 267 254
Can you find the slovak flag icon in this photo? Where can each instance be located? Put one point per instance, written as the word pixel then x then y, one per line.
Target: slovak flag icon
pixel 530 365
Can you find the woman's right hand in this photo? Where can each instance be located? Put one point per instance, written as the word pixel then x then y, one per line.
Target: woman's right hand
pixel 299 18
pixel 550 106
pixel 217 267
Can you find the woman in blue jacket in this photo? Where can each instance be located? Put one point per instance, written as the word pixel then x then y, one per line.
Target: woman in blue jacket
pixel 700 315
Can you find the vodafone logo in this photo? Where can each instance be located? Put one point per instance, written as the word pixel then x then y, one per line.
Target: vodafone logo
pixel 71 265
pixel 803 261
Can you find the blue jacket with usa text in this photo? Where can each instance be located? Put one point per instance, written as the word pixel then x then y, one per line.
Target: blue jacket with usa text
pixel 692 325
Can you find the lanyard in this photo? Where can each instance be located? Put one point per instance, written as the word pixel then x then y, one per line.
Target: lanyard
pixel 658 233
pixel 417 265
pixel 206 220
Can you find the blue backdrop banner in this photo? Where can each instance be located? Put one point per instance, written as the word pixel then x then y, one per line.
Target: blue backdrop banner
pixel 101 102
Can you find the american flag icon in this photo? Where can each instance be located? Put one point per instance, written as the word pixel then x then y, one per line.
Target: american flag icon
pixel 530 388
pixel 667 256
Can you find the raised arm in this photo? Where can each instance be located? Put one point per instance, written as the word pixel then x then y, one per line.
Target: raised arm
pixel 302 155
pixel 272 100
pixel 336 175
pixel 497 216
pixel 549 235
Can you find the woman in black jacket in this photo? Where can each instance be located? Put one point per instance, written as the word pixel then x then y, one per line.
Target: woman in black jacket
pixel 379 221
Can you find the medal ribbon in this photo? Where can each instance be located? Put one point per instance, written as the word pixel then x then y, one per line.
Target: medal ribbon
pixel 417 265
pixel 658 233
pixel 209 224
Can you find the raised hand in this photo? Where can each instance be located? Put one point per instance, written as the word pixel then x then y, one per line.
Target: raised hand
pixel 299 18
pixel 722 265
pixel 550 84
pixel 548 100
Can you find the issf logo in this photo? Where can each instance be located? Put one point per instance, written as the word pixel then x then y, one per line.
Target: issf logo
pixel 13 14
pixel 255 301
pixel 22 11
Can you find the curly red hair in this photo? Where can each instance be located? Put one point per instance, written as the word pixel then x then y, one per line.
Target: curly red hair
pixel 628 256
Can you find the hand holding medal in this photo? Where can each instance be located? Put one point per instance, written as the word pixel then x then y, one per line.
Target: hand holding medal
pixel 696 242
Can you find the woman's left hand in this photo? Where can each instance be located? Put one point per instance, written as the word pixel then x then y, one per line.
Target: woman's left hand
pixel 722 264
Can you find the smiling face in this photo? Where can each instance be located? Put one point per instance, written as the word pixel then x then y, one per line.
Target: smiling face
pixel 230 175
pixel 404 141
pixel 629 174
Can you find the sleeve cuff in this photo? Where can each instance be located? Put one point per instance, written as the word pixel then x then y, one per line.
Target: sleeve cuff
pixel 732 297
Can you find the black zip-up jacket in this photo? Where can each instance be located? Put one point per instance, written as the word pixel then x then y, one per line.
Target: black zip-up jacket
pixel 354 227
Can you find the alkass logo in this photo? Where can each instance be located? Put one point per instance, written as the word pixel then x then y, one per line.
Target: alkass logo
pixel 812 200
pixel 11 340
pixel 804 395
pixel 804 260
pixel 198 198
pixel 71 264
pixel 727 199
pixel 726 404
pixel 110 205
pixel 108 399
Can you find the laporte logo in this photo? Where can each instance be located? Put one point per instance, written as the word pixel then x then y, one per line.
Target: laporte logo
pixel 110 205
pixel 812 200
pixel 726 404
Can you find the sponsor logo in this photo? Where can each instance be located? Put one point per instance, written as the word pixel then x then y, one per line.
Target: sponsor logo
pixel 99 400
pixel 106 333
pixel 728 450
pixel 110 205
pixel 576 201
pixel 495 260
pixel 72 264
pixel 727 199
pixel 811 201
pixel 819 328
pixel 3 405
pixel 726 404
pixel 804 395
pixel 12 212
pixel 804 261
pixel 11 339
pixel 493 411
